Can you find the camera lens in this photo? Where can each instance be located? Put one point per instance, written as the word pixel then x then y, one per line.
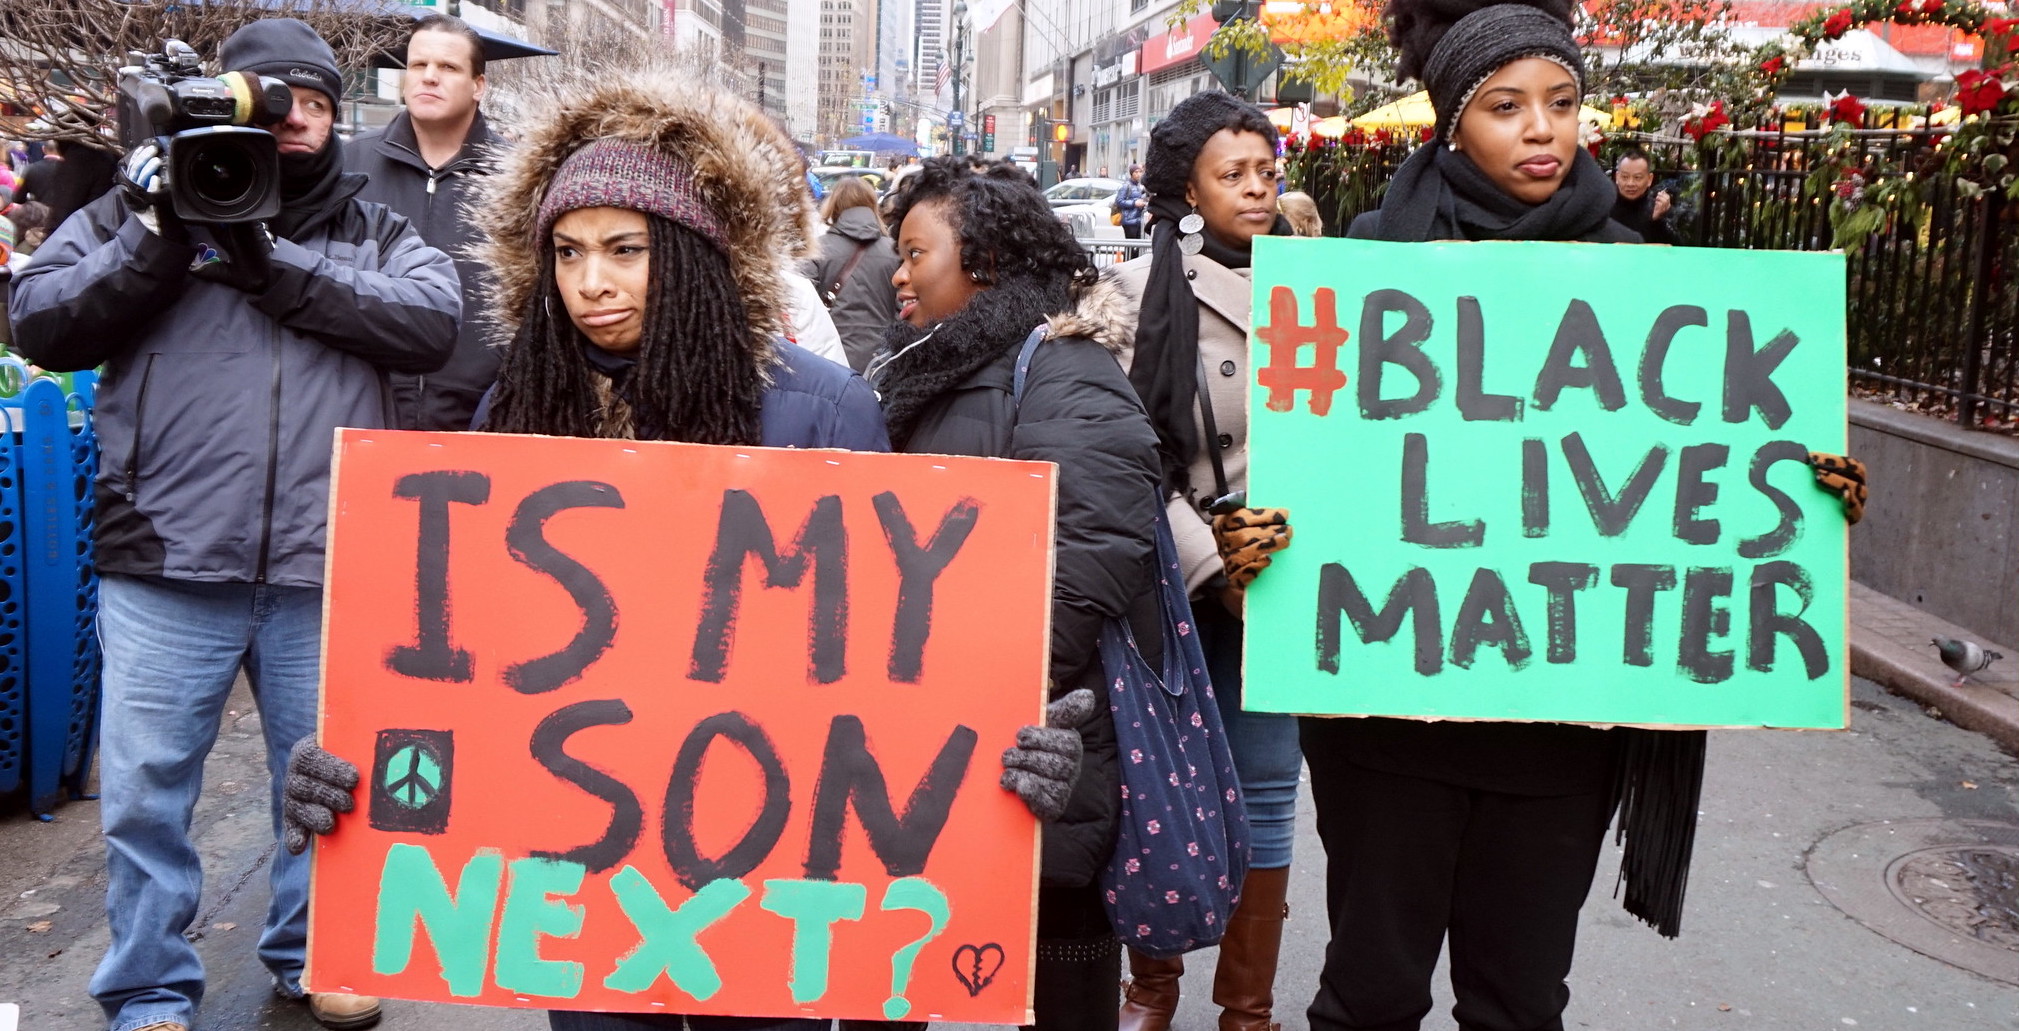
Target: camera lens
pixel 222 173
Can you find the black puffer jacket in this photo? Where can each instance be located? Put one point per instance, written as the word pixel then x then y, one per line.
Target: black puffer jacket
pixel 435 201
pixel 866 303
pixel 1078 411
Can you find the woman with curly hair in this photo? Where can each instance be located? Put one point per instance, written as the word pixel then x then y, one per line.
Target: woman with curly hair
pixel 1212 174
pixel 982 263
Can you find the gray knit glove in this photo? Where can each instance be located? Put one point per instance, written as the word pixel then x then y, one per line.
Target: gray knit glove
pixel 318 787
pixel 1046 760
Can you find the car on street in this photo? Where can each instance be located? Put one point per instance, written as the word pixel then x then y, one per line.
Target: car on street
pixel 1087 205
pixel 828 175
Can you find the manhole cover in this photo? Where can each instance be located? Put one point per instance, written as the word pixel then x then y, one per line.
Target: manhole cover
pixel 1948 889
pixel 1970 889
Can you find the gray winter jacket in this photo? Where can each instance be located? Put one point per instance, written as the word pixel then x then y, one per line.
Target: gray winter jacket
pixel 216 408
pixel 866 304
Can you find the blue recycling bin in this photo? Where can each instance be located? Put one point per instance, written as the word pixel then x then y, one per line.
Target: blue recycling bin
pixel 49 660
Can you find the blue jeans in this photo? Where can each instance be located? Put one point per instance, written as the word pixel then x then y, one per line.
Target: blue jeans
pixel 172 650
pixel 1266 754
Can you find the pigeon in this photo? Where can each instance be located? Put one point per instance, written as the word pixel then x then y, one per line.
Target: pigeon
pixel 1965 657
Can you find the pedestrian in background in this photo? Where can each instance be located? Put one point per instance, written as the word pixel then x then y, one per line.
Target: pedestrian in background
pixel 69 176
pixel 1641 207
pixel 426 164
pixel 984 262
pixel 1211 175
pixel 633 233
pixel 229 362
pixel 1133 202
pixel 1301 212
pixel 852 270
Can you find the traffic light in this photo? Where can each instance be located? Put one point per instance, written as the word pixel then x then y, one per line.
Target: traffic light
pixel 1040 129
pixel 1062 132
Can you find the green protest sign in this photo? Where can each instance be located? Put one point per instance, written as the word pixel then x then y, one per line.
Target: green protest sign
pixel 1545 481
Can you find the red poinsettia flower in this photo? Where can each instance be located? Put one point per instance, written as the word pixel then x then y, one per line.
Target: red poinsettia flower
pixel 1918 9
pixel 1847 108
pixel 1837 24
pixel 1705 120
pixel 1773 65
pixel 1978 91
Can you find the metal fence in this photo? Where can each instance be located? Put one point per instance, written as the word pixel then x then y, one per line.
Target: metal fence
pixel 1113 252
pixel 1933 304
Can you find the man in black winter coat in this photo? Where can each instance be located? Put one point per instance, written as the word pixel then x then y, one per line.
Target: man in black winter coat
pixel 424 165
pixel 230 356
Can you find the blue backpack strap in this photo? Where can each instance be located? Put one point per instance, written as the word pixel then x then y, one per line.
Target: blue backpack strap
pixel 1030 348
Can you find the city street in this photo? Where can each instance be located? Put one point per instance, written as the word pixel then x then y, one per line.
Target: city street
pixel 1793 826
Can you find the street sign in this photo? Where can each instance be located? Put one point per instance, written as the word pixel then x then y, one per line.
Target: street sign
pixel 955 118
pixel 988 134
pixel 1241 72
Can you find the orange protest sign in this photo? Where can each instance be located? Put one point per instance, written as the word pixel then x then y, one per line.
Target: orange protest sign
pixel 681 729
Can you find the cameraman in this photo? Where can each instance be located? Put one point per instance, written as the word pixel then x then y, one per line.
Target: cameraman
pixel 230 357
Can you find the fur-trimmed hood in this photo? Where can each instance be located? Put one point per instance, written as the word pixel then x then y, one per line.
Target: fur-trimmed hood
pixel 744 166
pixel 1102 313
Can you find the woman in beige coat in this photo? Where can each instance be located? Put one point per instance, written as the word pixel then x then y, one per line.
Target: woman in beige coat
pixel 1211 172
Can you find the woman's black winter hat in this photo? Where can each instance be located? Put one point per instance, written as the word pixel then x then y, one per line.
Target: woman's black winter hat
pixel 1176 141
pixel 1453 46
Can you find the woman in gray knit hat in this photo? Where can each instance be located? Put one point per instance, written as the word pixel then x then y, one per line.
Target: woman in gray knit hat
pixel 1488 833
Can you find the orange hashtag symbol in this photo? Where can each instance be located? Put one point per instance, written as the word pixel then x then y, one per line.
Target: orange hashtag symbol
pixel 1285 334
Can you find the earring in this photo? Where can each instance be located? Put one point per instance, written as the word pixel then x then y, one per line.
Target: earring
pixel 1189 240
pixel 975 274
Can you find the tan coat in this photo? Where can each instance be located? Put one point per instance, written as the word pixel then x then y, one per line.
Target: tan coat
pixel 1224 298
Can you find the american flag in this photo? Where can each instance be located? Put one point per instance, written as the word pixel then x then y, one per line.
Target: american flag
pixel 945 73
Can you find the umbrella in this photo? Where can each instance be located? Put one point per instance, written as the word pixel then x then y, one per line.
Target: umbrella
pixel 1414 110
pixel 879 143
pixel 497 45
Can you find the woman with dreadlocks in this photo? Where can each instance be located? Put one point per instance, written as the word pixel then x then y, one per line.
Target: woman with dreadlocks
pixel 1211 173
pixel 635 235
pixel 982 262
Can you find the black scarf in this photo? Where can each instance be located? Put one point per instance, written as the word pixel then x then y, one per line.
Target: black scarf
pixel 1165 370
pixel 1439 194
pixel 992 324
pixel 308 183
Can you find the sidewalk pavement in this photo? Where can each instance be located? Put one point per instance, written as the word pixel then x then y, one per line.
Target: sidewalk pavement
pixel 1890 646
pixel 1793 921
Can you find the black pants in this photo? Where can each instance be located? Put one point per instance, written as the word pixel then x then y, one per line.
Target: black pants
pixel 1079 963
pixel 1132 230
pixel 1409 859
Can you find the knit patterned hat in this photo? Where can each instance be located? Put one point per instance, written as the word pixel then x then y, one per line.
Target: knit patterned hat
pixel 612 173
pixel 1485 41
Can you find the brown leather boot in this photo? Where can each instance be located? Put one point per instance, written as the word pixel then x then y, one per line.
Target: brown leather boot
pixel 1244 987
pixel 1151 994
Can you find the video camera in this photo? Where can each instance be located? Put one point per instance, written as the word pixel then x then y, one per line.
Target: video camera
pixel 219 169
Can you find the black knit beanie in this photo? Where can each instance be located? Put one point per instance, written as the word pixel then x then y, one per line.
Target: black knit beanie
pixel 1482 43
pixel 1176 141
pixel 286 49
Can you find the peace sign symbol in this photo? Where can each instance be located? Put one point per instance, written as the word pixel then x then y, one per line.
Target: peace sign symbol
pixel 413 776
